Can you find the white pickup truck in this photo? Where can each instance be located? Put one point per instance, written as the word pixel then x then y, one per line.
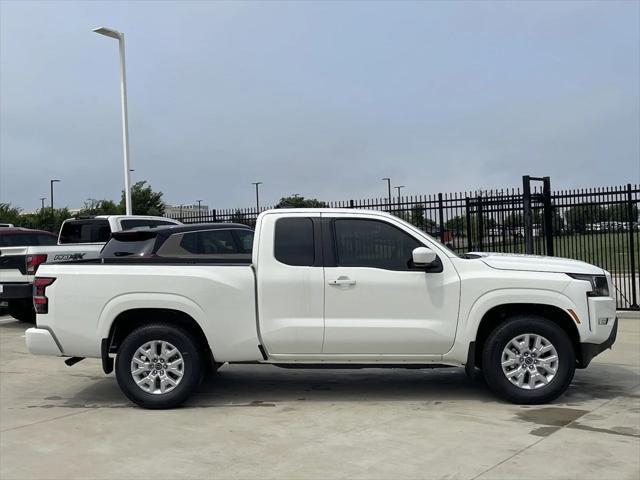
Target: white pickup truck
pixel 328 288
pixel 79 239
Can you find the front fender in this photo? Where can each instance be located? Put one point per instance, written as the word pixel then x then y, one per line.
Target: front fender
pixel 508 296
pixel 470 320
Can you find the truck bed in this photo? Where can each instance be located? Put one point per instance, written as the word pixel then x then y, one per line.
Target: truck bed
pixel 85 298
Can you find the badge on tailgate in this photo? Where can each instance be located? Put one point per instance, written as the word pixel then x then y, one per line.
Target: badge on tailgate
pixel 64 257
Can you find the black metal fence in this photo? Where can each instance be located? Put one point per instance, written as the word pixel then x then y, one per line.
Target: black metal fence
pixel 596 225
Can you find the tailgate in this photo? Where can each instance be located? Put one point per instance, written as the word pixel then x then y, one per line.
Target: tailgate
pixel 12 265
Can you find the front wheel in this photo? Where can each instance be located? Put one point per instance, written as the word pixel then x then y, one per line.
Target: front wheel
pixel 529 360
pixel 159 366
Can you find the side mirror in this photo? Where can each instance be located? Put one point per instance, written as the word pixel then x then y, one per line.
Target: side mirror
pixel 423 257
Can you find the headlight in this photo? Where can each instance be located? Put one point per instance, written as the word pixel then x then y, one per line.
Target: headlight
pixel 599 285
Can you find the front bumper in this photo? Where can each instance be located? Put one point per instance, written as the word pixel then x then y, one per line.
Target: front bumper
pixel 590 350
pixel 12 291
pixel 42 342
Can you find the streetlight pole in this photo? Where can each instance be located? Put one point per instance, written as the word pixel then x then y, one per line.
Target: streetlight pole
pixel 42 199
pixel 199 211
pixel 108 32
pixel 388 180
pixel 257 196
pixel 399 187
pixel 53 216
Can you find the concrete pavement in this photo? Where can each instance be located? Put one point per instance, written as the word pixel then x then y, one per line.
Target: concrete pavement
pixel 259 421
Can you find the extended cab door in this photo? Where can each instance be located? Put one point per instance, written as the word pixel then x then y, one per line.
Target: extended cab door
pixel 290 283
pixel 376 302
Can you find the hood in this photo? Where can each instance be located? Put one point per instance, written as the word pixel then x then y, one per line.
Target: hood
pixel 536 263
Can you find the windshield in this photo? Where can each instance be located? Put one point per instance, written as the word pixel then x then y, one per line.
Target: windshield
pixel 85 231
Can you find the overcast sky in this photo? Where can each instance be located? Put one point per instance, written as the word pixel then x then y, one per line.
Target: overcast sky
pixel 321 99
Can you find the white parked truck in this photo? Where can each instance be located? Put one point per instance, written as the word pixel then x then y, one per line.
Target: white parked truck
pixel 328 288
pixel 79 239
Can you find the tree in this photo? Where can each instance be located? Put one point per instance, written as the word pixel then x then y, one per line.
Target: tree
pixel 238 217
pixel 457 223
pixel 557 222
pixel 100 207
pixel 300 202
pixel 620 213
pixel 418 219
pixel 144 200
pixel 9 214
pixel 59 216
pixel 580 216
pixel 514 219
pixel 41 220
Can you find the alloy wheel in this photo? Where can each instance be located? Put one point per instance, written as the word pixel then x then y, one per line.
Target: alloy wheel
pixel 157 367
pixel 529 361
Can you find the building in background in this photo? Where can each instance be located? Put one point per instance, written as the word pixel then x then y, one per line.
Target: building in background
pixel 185 210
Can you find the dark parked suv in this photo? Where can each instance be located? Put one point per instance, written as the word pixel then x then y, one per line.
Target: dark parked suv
pixel 219 241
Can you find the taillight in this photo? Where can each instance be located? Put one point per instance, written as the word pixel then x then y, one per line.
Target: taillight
pixel 33 262
pixel 40 301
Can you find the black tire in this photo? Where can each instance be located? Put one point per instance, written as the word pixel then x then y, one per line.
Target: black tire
pixel 22 310
pixel 519 325
pixel 188 346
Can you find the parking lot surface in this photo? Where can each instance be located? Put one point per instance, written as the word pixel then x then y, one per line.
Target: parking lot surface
pixel 264 422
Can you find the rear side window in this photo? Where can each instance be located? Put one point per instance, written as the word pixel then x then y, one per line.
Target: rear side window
pixel 209 242
pixel 219 242
pixel 294 244
pixel 27 240
pixel 123 248
pixel 141 222
pixel 245 240
pixel 85 231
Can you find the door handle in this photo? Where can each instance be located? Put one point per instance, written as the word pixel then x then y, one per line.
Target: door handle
pixel 342 281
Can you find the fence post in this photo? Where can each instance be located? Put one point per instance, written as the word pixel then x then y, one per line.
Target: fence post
pixel 632 254
pixel 527 214
pixel 215 215
pixel 468 207
pixel 441 217
pixel 351 204
pixel 548 214
pixel 480 226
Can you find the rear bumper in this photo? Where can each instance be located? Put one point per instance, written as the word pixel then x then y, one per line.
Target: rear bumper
pixel 11 291
pixel 42 342
pixel 589 350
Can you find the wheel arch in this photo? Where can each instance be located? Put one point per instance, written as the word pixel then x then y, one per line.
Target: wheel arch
pixel 129 320
pixel 501 313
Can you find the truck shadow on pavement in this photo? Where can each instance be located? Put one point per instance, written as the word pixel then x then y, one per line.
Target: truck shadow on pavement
pixel 7 325
pixel 266 386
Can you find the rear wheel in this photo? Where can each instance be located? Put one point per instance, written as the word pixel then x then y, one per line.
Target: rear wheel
pixel 159 365
pixel 22 309
pixel 528 359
